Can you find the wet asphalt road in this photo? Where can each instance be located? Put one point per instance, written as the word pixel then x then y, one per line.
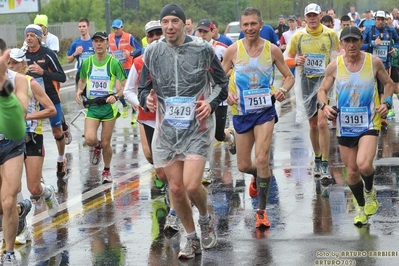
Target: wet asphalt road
pixel 121 223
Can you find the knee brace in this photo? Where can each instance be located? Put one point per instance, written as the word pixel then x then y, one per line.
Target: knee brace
pixel 60 138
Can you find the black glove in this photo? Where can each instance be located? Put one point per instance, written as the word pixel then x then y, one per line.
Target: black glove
pixel 336 110
pixel 7 89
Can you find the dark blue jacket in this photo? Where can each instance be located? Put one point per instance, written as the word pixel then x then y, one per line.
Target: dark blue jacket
pixel 267 33
pixel 389 34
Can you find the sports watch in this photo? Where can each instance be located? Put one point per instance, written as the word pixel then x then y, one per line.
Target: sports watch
pixel 321 105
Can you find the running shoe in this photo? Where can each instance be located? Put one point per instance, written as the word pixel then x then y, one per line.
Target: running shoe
pixel 325 188
pixel 191 249
pixel 107 177
pixel 133 119
pixel 61 168
pixel 391 114
pixel 158 183
pixel 208 235
pixel 262 232
pixel 51 202
pixel 23 238
pixel 26 206
pixel 68 135
pixel 261 219
pixel 253 190
pixel 317 168
pixel 325 171
pixel 232 144
pixel 9 259
pixel 62 185
pixel 37 201
pixel 96 154
pixel 360 218
pixel 207 177
pixel 125 111
pixel 371 205
pixel 171 223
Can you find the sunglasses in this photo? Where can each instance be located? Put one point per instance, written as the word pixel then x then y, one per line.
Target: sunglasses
pixel 154 32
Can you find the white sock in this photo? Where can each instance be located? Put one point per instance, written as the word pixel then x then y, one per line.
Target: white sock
pixel 191 235
pixel 204 218
pixel 60 158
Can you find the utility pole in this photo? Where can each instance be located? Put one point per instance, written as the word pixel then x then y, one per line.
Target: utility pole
pixel 107 16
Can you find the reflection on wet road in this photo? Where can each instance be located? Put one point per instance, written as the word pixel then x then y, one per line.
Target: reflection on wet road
pixel 122 223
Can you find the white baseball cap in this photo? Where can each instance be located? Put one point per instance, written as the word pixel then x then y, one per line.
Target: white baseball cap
pixel 380 14
pixel 17 54
pixel 312 8
pixel 152 25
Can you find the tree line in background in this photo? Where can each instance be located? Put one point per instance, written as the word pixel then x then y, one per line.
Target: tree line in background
pixel 136 13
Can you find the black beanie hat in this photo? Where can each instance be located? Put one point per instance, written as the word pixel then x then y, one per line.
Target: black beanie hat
pixel 173 10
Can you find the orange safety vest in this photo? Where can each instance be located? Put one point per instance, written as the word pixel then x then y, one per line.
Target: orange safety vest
pixel 142 114
pixel 124 44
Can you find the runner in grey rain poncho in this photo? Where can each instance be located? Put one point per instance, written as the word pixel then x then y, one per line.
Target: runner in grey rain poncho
pixel 176 83
pixel 179 80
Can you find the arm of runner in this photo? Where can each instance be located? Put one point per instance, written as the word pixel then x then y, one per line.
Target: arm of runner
pixel 220 91
pixel 55 71
pixel 389 86
pixel 79 92
pixel 130 91
pixel 395 38
pixel 21 90
pixel 138 51
pixel 145 86
pixel 366 42
pixel 227 64
pixel 325 86
pixel 39 94
pixel 70 53
pixel 82 81
pixel 278 60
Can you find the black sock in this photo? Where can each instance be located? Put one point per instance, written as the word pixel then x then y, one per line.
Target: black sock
pixel 358 192
pixel 254 172
pixel 99 146
pixel 106 168
pixel 368 181
pixel 263 185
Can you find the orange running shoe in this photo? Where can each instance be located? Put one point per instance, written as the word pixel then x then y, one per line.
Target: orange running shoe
pixel 253 190
pixel 261 219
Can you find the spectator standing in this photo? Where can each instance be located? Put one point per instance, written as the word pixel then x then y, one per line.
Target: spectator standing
pixel 281 27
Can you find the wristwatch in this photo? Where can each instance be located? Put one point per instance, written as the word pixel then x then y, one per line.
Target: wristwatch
pixel 321 105
pixel 388 105
pixel 116 97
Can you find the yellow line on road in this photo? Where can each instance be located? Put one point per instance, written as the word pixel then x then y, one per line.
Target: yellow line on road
pixel 71 208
